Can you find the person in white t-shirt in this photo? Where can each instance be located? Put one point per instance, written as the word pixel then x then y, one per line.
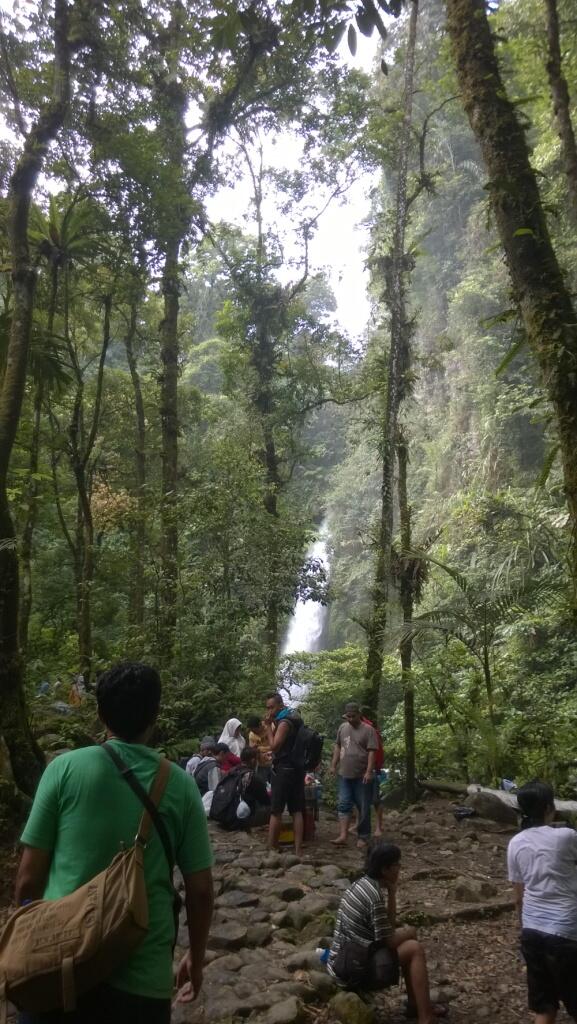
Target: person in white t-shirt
pixel 542 865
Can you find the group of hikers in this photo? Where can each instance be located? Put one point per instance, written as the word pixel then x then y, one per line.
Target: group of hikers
pixel 238 780
pixel 123 803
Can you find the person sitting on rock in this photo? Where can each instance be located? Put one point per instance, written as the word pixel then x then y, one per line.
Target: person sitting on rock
pixel 241 799
pixel 210 769
pixel 542 867
pixel 368 949
pixel 207 745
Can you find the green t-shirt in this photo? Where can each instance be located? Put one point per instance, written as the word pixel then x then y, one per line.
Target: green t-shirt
pixel 84 810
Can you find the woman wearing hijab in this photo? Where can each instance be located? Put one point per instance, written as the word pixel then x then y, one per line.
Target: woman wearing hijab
pixel 232 736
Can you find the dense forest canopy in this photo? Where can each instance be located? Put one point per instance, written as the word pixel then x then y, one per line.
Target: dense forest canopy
pixel 181 407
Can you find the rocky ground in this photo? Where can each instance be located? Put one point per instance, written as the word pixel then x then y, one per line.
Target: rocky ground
pixel 273 911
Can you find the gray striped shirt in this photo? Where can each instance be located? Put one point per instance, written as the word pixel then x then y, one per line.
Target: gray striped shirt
pixel 362 916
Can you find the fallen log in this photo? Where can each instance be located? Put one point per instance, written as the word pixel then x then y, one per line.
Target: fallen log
pixel 440 786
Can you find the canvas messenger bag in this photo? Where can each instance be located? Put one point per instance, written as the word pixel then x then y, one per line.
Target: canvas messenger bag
pixel 51 951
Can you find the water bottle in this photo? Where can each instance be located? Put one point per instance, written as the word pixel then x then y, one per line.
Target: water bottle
pixel 323 954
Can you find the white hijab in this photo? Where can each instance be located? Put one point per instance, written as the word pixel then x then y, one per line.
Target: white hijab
pixel 235 744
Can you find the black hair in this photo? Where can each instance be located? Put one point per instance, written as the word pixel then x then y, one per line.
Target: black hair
pixel 535 799
pixel 249 755
pixel 254 722
pixel 221 748
pixel 352 706
pixel 275 696
pixel 128 698
pixel 381 855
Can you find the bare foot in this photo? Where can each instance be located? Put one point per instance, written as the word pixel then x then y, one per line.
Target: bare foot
pixel 362 844
pixel 377 833
pixel 353 830
pixel 339 841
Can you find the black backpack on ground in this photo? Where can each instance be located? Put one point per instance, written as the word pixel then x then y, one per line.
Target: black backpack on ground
pixel 307 749
pixel 227 796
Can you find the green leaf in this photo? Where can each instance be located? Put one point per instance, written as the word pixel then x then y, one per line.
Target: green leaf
pixel 352 39
pixel 523 231
pixel 513 351
pixel 547 466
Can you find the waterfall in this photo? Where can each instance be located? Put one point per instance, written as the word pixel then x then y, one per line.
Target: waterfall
pixel 305 628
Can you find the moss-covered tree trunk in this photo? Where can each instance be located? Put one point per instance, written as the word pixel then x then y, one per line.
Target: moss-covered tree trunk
pixel 538 283
pixel 33 488
pixel 561 105
pixel 395 287
pixel 139 529
pixel 169 349
pixel 25 756
pixel 407 602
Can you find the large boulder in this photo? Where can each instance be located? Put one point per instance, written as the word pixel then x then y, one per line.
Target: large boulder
pixel 349 1008
pixel 473 890
pixel 489 806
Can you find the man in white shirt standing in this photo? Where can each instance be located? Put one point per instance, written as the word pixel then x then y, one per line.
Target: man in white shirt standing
pixel 542 865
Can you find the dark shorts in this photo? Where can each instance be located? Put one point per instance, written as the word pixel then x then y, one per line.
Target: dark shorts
pixel 106 1005
pixel 551 971
pixel 287 790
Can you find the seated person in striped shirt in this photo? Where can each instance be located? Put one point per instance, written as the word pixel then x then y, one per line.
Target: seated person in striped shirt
pixel 366 917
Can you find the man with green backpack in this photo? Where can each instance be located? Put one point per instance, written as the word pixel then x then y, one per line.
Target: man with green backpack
pixel 87 829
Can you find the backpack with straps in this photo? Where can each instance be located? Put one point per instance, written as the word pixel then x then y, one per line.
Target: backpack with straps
pixel 307 749
pixel 53 950
pixel 227 796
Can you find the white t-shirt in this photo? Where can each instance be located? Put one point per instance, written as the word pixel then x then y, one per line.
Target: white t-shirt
pixel 193 764
pixel 544 859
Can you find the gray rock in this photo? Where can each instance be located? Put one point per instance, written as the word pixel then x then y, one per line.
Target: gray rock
pixel 259 935
pixel 246 861
pixel 236 898
pixel 331 872
pixel 306 960
pixel 291 893
pixel 288 860
pixel 289 1011
pixel 473 890
pixel 349 1008
pixel 293 988
pixel 259 916
pixel 227 936
pixel 215 978
pixel 229 962
pixel 323 985
pixel 488 806
pixel 265 973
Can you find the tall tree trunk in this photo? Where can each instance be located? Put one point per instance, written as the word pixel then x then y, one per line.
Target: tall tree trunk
pixel 561 105
pixel 31 514
pixel 139 532
pixel 169 349
pixel 25 756
pixel 395 300
pixel 81 449
pixel 538 283
pixel 407 602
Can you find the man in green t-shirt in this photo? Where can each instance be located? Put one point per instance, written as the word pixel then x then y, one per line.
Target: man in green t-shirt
pixel 83 813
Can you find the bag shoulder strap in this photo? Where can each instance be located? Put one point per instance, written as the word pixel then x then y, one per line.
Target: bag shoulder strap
pixel 149 800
